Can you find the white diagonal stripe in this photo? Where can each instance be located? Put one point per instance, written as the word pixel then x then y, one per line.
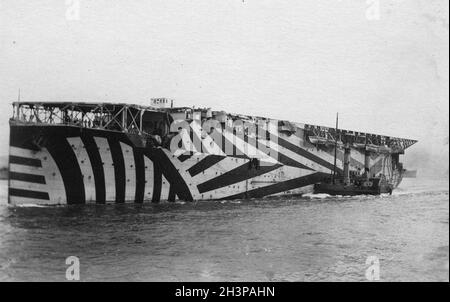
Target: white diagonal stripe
pixel 130 172
pixel 108 168
pixel 86 168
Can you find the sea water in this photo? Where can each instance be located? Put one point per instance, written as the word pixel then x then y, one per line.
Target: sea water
pixel 310 238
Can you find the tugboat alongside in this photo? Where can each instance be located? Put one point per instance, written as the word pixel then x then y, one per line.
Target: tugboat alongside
pixel 350 184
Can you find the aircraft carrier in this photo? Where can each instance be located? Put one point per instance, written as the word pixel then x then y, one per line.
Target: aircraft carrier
pixel 80 153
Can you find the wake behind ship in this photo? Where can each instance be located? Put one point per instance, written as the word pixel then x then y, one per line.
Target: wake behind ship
pixel 76 153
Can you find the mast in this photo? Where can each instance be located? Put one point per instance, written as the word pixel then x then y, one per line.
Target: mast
pixel 18 104
pixel 367 161
pixel 335 148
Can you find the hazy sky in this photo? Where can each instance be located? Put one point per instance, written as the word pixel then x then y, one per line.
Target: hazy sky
pixel 303 60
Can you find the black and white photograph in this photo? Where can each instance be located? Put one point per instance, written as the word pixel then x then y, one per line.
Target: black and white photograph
pixel 224 146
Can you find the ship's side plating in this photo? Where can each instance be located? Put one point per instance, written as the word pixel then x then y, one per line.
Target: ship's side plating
pixel 68 164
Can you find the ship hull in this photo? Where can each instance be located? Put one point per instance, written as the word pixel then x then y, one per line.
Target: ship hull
pixel 61 164
pixel 351 190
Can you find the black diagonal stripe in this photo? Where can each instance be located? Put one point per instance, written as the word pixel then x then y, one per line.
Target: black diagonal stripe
pixel 236 175
pixel 28 194
pixel 172 194
pixel 39 179
pixel 282 158
pixel 170 173
pixel 302 152
pixel 184 157
pixel 97 167
pixel 224 141
pixel 204 164
pixel 287 161
pixel 119 168
pixel 157 181
pixel 68 166
pixel 280 187
pixel 173 176
pixel 140 175
pixel 13 159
